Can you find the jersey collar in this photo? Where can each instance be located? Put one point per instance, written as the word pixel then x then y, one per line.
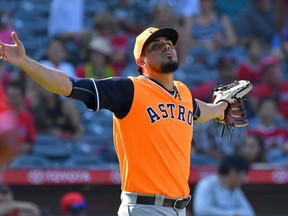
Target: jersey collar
pixel 172 92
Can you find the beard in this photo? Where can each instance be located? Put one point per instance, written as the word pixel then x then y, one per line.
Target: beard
pixel 169 67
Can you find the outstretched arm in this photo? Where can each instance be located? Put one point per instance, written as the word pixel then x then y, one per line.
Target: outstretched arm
pixel 211 111
pixel 51 79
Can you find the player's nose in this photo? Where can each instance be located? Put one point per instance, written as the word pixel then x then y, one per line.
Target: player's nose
pixel 166 47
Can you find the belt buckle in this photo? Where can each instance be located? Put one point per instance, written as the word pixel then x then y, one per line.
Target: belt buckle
pixel 175 203
pixel 180 199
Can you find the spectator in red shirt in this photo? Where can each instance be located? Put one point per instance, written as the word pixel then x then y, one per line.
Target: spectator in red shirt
pixel 251 68
pixel 8 141
pixel 25 123
pixel 274 85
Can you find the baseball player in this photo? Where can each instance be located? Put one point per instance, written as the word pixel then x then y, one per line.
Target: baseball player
pixel 153 120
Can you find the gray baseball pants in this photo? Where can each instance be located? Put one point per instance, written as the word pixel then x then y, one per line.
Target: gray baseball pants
pixel 129 207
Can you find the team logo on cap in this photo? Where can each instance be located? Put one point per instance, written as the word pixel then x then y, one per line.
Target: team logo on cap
pixel 151 30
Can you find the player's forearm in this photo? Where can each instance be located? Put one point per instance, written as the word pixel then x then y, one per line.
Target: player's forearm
pixel 51 79
pixel 211 111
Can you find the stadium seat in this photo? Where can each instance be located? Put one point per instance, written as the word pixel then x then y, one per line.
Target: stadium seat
pixel 31 161
pixel 52 147
pixel 86 162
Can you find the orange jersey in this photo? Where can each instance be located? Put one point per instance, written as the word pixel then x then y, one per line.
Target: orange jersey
pixel 153 142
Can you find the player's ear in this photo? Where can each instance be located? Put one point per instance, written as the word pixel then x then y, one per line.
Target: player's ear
pixel 140 62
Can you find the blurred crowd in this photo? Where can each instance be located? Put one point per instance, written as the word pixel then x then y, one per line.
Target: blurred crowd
pixel 219 42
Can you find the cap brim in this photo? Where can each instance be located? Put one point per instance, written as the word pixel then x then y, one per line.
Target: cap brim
pixel 170 33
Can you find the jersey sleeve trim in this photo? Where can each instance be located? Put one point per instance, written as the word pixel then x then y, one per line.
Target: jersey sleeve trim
pixel 82 89
pixel 197 111
pixel 97 95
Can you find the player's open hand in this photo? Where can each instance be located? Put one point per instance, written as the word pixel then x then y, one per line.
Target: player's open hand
pixel 13 53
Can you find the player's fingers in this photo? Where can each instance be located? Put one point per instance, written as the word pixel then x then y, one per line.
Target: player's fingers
pixel 237 113
pixel 15 38
pixel 240 122
pixel 238 104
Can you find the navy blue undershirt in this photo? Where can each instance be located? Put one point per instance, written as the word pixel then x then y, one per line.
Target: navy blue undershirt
pixel 115 94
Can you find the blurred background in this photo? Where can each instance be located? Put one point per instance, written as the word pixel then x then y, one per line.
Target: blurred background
pixel 67 148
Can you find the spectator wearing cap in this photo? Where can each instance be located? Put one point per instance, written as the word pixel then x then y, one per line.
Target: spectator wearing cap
pixel 73 204
pixel 107 26
pixel 97 64
pixel 274 85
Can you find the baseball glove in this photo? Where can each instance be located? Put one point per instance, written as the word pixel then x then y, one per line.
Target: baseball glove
pixel 233 94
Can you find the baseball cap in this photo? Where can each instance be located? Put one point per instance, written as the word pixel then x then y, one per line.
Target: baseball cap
pixel 101 45
pixel 151 33
pixel 72 202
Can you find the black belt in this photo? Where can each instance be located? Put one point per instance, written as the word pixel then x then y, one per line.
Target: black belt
pixel 180 203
